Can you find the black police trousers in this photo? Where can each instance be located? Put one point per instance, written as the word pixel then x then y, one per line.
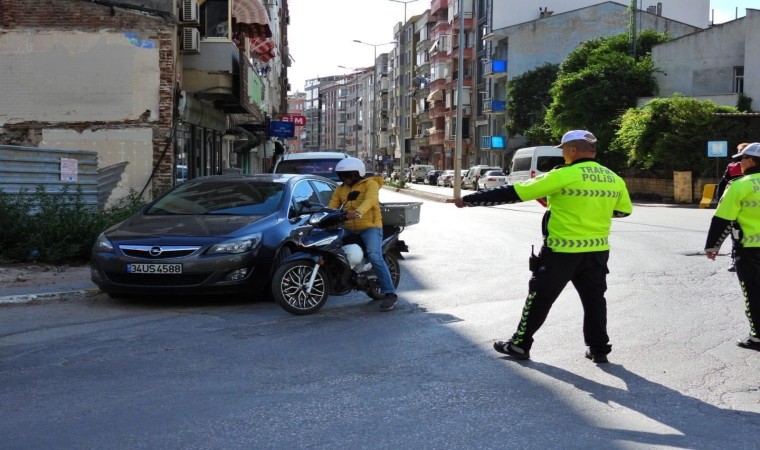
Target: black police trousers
pixel 588 273
pixel 748 272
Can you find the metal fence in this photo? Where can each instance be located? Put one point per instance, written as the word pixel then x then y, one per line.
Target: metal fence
pixel 23 170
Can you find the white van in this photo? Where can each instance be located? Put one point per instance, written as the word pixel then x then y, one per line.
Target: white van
pixel 317 163
pixel 420 171
pixel 531 162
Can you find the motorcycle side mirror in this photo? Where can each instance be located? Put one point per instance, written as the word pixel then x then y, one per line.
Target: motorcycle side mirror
pixel 353 195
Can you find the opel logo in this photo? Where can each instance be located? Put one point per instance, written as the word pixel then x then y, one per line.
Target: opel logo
pixel 155 251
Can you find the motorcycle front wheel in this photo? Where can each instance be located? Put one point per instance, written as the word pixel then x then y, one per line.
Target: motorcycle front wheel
pixel 392 262
pixel 289 288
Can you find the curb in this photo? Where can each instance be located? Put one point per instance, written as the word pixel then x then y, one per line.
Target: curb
pixel 48 296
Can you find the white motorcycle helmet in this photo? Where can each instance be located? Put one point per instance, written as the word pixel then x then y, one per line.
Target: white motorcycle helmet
pixel 350 166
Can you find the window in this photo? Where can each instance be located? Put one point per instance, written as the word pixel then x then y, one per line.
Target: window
pixel 215 19
pixel 738 80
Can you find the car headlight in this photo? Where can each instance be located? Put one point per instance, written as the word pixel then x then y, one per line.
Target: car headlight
pixel 102 244
pixel 239 245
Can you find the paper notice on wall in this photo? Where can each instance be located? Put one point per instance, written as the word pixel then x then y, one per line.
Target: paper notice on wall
pixel 69 169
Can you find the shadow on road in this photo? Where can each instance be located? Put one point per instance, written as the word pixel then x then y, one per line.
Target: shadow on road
pixel 698 424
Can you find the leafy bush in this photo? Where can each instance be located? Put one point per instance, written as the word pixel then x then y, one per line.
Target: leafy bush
pixel 55 227
pixel 672 134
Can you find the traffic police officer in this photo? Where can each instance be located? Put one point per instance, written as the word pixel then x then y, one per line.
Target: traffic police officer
pixel 738 214
pixel 582 197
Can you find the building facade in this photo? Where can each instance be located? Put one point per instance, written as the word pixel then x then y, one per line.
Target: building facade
pixel 161 90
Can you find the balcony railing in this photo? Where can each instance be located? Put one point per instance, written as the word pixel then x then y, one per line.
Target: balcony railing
pixel 496 68
pixel 492 106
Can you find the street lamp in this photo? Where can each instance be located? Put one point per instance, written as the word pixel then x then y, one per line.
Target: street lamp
pixel 402 118
pixel 373 126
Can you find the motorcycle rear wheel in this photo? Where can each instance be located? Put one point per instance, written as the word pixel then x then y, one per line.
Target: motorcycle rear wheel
pixel 392 262
pixel 289 288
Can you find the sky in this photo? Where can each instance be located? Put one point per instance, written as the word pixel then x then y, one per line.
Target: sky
pixel 321 32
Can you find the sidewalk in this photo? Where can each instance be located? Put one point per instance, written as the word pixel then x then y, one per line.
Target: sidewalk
pixel 24 283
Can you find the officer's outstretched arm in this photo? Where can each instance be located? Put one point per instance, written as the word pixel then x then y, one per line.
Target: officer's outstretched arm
pixel 496 196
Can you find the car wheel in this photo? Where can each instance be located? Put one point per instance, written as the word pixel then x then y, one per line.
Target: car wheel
pixel 289 287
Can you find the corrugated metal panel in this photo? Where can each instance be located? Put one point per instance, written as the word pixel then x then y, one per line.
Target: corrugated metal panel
pixel 24 169
pixel 108 178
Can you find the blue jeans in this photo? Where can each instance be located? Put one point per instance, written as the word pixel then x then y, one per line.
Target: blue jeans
pixel 373 241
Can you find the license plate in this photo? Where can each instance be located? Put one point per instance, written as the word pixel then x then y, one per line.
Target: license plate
pixel 163 269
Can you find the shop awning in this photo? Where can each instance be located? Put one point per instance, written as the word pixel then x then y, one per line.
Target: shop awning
pixel 252 18
pixel 263 49
pixel 435 96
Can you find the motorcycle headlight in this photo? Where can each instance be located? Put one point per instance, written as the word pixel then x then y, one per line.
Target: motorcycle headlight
pixel 102 244
pixel 239 245
pixel 315 218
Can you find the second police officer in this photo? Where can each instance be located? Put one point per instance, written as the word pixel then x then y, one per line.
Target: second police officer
pixel 582 198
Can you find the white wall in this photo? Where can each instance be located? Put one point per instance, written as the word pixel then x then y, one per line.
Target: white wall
pixel 57 76
pixel 512 12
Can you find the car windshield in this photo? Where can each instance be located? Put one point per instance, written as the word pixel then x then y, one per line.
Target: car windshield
pixel 321 167
pixel 494 173
pixel 240 198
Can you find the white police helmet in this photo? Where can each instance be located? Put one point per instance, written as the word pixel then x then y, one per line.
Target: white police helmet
pixel 351 165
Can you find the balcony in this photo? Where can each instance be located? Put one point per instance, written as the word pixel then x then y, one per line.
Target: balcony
pixel 436 137
pixel 437 5
pixel 492 106
pixel 220 73
pixel 496 68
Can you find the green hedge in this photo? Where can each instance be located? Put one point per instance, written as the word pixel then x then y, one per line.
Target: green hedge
pixel 55 227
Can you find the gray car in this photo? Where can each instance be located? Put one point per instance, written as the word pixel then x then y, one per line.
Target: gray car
pixel 213 234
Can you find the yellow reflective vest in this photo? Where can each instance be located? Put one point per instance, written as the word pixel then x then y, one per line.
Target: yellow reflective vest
pixel 581 198
pixel 741 203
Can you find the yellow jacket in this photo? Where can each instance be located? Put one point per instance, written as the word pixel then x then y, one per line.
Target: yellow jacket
pixel 368 203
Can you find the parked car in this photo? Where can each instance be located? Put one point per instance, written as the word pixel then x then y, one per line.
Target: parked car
pixel 445 179
pixel 419 172
pixel 492 179
pixel 394 174
pixel 223 233
pixel 471 179
pixel 432 177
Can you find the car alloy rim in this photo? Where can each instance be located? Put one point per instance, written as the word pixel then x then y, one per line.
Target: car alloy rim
pixel 293 286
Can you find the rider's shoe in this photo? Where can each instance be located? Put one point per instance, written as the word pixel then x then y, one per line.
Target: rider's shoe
pixel 388 302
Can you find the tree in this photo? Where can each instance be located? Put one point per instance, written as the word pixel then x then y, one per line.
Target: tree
pixel 598 82
pixel 672 134
pixel 528 98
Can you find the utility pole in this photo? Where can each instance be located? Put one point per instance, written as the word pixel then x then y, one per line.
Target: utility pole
pixel 460 107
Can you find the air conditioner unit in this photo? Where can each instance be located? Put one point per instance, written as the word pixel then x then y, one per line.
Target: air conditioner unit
pixel 191 40
pixel 190 12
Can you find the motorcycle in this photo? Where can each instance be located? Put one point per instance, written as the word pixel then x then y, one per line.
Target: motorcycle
pixel 331 261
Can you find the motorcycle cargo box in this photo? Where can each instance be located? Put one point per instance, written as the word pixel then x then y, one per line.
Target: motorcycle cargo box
pixel 400 214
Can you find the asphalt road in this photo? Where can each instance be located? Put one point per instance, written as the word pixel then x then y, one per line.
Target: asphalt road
pixel 241 374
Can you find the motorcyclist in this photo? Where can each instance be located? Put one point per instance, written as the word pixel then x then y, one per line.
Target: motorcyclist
pixel 365 219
